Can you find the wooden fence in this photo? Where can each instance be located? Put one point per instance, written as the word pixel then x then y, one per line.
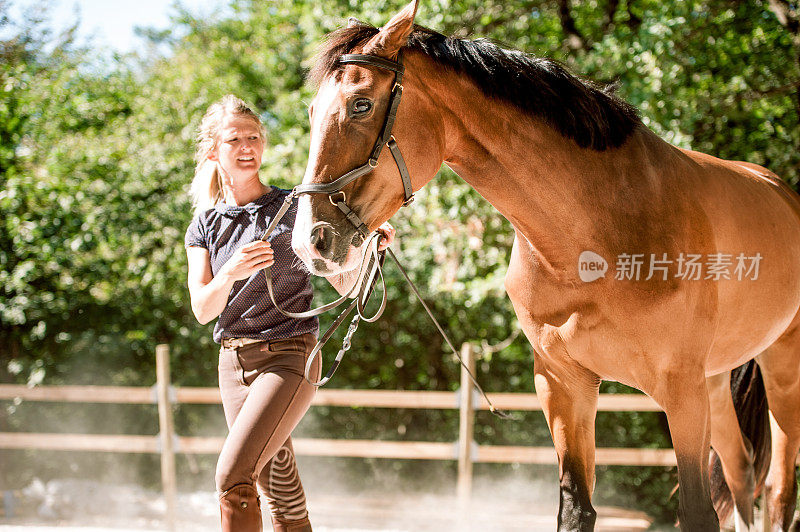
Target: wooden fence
pixel 465 450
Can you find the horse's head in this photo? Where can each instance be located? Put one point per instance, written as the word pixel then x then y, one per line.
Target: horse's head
pixel 355 180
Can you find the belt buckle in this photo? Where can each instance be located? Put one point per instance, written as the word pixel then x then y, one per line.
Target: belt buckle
pixel 234 343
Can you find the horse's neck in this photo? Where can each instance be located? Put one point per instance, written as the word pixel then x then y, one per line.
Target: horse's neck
pixel 527 171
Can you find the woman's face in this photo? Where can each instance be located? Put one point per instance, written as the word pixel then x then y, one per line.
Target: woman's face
pixel 239 148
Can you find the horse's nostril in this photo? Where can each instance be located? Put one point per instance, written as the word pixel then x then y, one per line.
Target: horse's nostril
pixel 321 237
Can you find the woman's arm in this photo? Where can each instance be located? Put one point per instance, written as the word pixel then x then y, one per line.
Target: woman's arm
pixel 209 293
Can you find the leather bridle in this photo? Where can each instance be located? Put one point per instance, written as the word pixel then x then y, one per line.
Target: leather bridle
pixel 334 188
pixel 385 138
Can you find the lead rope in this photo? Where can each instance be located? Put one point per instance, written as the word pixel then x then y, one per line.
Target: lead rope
pixel 361 302
pixel 499 413
pixel 372 261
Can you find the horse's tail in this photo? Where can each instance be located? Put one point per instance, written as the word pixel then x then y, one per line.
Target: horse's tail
pixel 750 402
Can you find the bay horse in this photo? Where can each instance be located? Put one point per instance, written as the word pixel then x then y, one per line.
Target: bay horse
pixel 583 182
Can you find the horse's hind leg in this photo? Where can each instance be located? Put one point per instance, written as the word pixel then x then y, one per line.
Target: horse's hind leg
pixel 780 368
pixel 733 452
pixel 569 402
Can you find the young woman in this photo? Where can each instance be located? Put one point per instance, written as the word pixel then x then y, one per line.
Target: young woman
pixel 263 353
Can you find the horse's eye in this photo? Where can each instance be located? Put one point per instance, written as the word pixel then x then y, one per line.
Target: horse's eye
pixel 360 107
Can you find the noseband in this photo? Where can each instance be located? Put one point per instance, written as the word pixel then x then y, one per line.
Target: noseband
pixel 385 138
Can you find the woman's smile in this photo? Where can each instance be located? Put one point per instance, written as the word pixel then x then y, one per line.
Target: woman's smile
pixel 241 146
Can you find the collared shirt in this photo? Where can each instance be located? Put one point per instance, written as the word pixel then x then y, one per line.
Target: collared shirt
pixel 250 314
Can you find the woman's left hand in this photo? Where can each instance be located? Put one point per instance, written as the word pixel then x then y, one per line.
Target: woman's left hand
pixel 388 235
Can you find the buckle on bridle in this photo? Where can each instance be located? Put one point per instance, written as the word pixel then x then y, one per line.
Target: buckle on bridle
pixel 334 202
pixel 409 201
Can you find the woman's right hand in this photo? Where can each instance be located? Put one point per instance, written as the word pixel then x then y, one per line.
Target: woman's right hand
pixel 247 260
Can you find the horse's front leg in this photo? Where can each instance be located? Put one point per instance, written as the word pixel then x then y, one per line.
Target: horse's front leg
pixel 568 394
pixel 683 395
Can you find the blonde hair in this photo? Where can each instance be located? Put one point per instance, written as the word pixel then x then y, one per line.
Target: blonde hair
pixel 206 188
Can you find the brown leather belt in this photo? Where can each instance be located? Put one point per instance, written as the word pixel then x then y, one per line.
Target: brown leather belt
pixel 236 343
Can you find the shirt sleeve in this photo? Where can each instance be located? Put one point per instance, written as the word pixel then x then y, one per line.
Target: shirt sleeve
pixel 195 234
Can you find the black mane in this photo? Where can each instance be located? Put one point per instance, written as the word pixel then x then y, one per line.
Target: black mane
pixel 592 117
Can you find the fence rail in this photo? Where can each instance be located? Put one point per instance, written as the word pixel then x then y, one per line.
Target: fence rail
pixel 465 450
pixel 318 446
pixel 324 397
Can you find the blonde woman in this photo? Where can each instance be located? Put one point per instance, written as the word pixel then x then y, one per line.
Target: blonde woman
pixel 263 353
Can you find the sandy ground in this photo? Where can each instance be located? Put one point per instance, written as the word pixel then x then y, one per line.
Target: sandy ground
pixel 84 506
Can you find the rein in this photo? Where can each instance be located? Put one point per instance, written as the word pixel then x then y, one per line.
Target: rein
pixel 372 262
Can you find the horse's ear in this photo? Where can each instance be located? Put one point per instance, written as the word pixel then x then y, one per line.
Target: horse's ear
pixel 394 35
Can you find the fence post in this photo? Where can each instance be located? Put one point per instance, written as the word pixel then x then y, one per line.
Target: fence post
pixel 466 426
pixel 166 432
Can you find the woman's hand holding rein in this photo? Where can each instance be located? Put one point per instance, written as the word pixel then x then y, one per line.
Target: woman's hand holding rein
pixel 247 260
pixel 388 233
pixel 209 293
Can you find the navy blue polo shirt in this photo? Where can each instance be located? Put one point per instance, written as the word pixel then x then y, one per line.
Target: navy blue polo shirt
pixel 224 229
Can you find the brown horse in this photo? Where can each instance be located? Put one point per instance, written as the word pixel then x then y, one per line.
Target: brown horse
pixel 633 261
